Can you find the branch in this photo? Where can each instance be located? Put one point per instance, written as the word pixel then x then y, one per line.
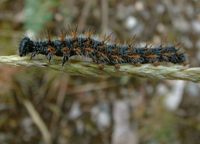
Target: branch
pixel 173 72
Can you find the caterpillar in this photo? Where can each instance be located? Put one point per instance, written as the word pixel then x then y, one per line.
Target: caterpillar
pixel 100 51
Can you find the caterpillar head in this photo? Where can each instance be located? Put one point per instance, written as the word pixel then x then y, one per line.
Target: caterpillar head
pixel 25 46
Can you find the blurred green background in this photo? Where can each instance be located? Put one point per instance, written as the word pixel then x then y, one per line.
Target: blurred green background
pixel 81 110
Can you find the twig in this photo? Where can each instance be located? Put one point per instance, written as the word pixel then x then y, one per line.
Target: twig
pixel 37 120
pixel 173 72
pixel 84 14
pixel 104 11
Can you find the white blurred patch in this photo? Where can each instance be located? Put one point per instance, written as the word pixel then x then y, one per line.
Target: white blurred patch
pixel 131 22
pixel 160 8
pixel 139 6
pixel 196 26
pixel 161 28
pixel 100 114
pixel 173 99
pixel 162 89
pixel 103 120
pixel 181 24
pixel 123 132
pixel 193 89
pixel 75 111
pixel 186 42
pixel 80 126
pixel 30 34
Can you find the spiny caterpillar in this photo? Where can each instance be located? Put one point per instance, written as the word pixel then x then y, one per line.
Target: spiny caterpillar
pixel 100 51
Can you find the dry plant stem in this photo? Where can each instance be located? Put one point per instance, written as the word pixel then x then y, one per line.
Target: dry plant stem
pixel 60 101
pixel 84 14
pixel 37 120
pixel 104 9
pixel 173 72
pixel 91 87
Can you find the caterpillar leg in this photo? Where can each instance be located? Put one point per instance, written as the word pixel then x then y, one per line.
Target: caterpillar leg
pixel 49 57
pixel 65 58
pixel 137 64
pixel 51 52
pixel 101 66
pixel 33 55
pixel 66 54
pixel 156 63
pixel 117 66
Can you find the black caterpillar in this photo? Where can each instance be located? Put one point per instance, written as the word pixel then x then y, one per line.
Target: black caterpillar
pixel 101 52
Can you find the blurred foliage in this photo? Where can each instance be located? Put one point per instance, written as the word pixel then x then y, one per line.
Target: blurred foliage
pixel 37 13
